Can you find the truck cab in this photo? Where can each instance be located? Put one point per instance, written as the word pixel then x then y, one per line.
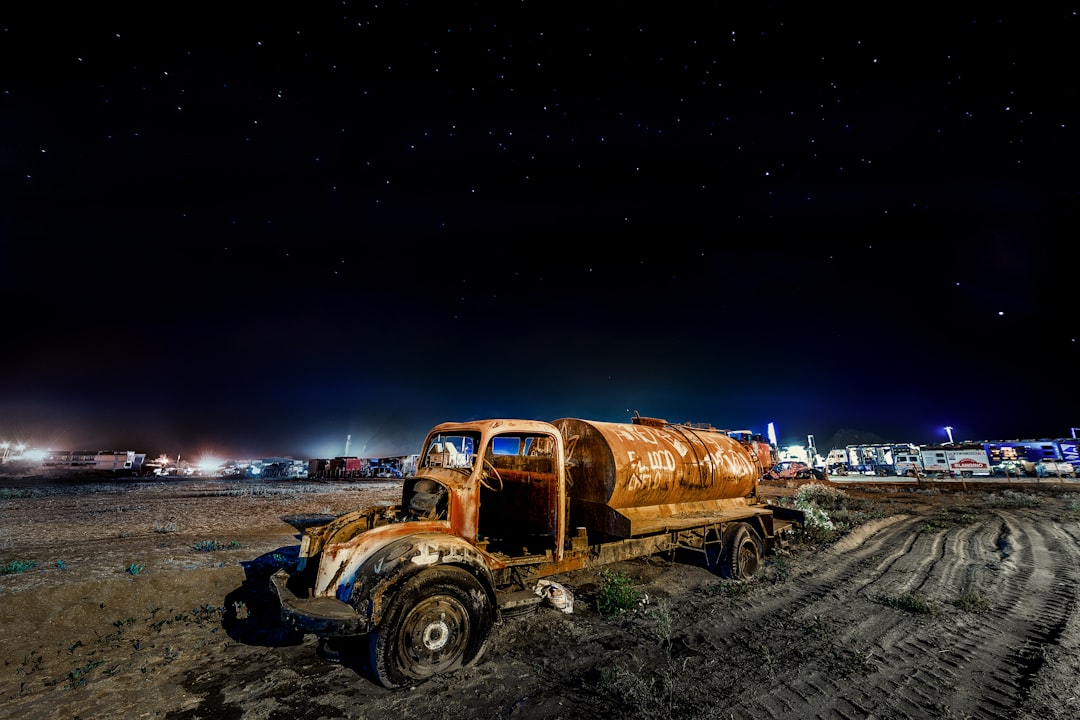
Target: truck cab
pixel 482 507
pixel 499 487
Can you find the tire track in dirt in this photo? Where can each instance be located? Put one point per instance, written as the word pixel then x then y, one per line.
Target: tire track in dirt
pixel 1051 602
pixel 991 657
pixel 1052 692
pixel 877 657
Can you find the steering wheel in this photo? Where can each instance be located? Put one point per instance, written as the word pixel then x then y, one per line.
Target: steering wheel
pixel 485 477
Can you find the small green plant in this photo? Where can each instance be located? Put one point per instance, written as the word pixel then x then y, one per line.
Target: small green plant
pixel 913 603
pixel 818 502
pixel 60 565
pixel 212 545
pixel 781 569
pixel 78 675
pixel 972 602
pixel 14 567
pixel 616 595
pixel 134 569
pixel 817 518
pixel 820 496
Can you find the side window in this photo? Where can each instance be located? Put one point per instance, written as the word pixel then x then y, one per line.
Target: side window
pixel 540 446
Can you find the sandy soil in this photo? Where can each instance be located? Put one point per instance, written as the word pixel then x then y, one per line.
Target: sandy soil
pixel 148 600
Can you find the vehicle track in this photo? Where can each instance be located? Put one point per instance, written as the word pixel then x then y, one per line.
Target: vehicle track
pixel 879 656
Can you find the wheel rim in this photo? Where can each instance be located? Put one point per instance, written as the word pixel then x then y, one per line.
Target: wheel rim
pixel 434 635
pixel 748 560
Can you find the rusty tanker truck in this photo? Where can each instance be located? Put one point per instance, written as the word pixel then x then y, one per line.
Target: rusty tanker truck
pixel 493 506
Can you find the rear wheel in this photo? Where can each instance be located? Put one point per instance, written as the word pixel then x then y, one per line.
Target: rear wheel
pixel 438 621
pixel 741 557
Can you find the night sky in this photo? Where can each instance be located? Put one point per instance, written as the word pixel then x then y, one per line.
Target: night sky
pixel 251 230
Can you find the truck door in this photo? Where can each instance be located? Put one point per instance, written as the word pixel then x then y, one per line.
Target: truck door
pixel 519 495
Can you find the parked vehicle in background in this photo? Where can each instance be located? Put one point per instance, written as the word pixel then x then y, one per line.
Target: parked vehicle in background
pixel 878 458
pixel 1055 468
pixel 963 461
pixel 794 470
pixel 836 462
pixel 1013 468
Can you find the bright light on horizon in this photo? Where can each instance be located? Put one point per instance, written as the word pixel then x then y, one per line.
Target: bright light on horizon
pixel 209 463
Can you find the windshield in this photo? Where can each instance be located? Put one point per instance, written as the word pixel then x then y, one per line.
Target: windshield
pixel 451 451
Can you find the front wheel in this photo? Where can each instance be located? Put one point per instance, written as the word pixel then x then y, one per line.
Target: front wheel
pixel 439 621
pixel 741 558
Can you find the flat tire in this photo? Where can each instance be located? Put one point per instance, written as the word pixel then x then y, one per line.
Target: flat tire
pixel 437 622
pixel 741 558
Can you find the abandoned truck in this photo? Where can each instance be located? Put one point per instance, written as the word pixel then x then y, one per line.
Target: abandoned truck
pixel 495 505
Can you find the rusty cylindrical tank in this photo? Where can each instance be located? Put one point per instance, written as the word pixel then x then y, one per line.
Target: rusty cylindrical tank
pixel 650 462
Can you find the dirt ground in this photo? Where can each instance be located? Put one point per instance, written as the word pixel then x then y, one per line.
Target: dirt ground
pixel 148 600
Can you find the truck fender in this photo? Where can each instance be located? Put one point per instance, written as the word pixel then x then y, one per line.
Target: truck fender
pixel 390 567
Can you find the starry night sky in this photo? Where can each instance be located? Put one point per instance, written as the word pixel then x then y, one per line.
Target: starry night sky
pixel 251 230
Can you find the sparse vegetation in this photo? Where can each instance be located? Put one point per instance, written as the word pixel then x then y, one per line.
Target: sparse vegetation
pixel 779 568
pixel 616 594
pixel 830 512
pixel 728 589
pixel 972 602
pixel 212 545
pixel 661 689
pixel 14 567
pixel 912 603
pixel 134 569
pixel 77 676
pixel 951 517
pixel 962 516
pixel 823 497
pixel 1012 499
pixel 165 528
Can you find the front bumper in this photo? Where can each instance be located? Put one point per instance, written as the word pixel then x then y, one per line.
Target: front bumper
pixel 320 616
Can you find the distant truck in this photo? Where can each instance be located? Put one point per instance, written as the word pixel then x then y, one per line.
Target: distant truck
pixel 962 461
pixel 836 462
pixel 495 505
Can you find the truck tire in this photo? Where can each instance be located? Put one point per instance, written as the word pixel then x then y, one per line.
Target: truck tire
pixel 438 621
pixel 741 558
